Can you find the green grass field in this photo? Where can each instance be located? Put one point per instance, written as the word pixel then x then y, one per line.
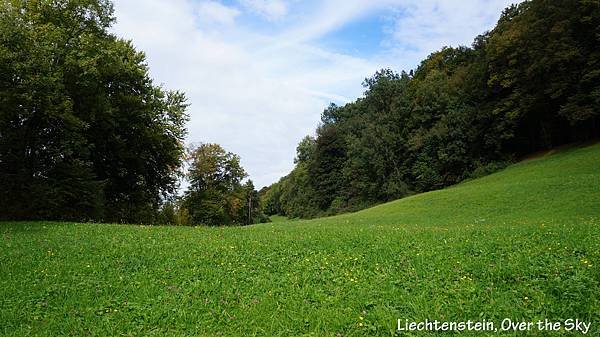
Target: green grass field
pixel 523 243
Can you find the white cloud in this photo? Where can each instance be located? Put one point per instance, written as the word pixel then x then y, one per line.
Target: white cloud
pixel 258 94
pixel 215 12
pixel 273 10
pixel 326 17
pixel 253 97
pixel 424 26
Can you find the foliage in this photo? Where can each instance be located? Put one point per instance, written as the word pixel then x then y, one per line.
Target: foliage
pixel 216 195
pixel 523 243
pixel 168 214
pixel 84 133
pixel 531 83
pixel 544 61
pixel 251 211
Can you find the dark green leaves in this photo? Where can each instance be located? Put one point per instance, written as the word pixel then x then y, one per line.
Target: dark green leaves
pixel 84 133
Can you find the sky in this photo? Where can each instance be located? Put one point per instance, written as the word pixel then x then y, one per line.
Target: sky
pixel 258 73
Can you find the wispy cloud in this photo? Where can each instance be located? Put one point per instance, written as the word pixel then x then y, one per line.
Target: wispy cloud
pixel 324 18
pixel 257 92
pixel 422 26
pixel 270 9
pixel 215 12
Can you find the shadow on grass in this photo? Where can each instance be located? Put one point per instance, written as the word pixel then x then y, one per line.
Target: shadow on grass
pixel 28 226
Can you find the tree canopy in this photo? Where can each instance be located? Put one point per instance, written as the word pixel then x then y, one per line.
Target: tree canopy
pixel 84 132
pixel 216 195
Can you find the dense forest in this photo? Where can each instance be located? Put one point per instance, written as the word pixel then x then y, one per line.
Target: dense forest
pixel 531 83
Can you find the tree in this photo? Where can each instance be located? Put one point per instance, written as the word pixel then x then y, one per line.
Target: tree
pixel 270 198
pixel 325 170
pixel 251 212
pixel 215 175
pixel 84 133
pixel 305 150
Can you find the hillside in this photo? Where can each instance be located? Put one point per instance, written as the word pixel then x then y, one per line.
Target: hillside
pixel 530 83
pixel 523 243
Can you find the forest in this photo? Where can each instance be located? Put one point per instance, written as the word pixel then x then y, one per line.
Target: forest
pixel 531 83
pixel 86 135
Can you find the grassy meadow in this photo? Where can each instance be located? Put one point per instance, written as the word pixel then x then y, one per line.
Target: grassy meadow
pixel 523 243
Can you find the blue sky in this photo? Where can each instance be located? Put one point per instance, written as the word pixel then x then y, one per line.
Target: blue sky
pixel 258 73
pixel 362 38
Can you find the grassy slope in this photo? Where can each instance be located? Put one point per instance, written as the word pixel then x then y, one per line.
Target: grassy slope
pixel 523 243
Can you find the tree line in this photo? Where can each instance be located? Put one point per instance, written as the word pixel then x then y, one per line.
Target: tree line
pixel 86 135
pixel 531 83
